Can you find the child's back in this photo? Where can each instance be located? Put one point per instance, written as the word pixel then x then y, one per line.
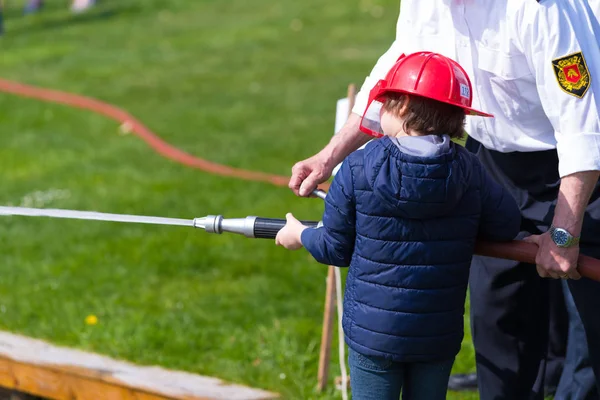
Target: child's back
pixel 407 227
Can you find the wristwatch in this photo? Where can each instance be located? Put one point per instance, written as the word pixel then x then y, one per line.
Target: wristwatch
pixel 562 237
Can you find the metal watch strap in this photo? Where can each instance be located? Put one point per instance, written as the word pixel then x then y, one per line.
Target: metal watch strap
pixel 574 241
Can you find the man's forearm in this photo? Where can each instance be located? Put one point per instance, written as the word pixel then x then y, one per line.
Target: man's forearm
pixel 573 198
pixel 348 139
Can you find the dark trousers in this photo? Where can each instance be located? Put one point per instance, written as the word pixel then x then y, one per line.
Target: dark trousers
pixel 577 379
pixel 510 313
pixel 557 336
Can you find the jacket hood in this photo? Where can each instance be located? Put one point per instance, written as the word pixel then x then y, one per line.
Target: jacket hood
pixel 412 186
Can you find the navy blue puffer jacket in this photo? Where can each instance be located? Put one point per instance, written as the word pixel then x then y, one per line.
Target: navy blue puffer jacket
pixel 406 226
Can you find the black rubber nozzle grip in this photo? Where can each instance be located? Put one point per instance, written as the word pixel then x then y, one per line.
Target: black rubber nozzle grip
pixel 267 228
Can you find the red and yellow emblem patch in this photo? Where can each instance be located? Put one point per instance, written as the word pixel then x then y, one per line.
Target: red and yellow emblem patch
pixel 572 74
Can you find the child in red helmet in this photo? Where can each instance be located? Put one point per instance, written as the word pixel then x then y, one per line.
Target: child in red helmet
pixel 404 214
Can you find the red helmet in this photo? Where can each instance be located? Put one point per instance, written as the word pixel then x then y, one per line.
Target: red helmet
pixel 424 74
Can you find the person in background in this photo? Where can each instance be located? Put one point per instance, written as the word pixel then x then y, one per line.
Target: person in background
pixel 34 6
pixel 533 65
pixel 404 214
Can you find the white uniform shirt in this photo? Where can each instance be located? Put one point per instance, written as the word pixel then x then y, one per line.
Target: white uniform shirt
pixel 508 47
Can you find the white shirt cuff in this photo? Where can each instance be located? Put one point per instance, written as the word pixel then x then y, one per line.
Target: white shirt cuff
pixel 578 153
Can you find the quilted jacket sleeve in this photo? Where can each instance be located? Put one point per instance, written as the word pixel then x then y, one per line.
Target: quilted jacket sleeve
pixel 333 243
pixel 500 214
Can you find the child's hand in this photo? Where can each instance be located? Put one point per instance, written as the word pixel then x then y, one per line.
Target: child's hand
pixel 289 235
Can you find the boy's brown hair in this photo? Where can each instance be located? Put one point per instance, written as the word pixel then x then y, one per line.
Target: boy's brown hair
pixel 426 116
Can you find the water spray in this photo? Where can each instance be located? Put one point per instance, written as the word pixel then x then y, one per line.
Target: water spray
pixel 251 227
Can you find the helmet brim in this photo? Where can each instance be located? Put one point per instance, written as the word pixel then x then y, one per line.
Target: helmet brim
pixel 468 110
pixel 477 113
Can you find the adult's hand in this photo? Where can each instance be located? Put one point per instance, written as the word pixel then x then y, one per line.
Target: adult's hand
pixel 553 261
pixel 573 197
pixel 307 174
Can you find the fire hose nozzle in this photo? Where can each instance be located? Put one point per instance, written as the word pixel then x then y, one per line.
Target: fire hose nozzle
pixel 217 224
pixel 251 227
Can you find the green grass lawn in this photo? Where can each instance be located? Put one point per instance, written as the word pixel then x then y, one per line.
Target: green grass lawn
pixel 252 84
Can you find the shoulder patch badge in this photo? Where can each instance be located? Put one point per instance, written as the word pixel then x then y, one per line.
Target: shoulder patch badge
pixel 572 74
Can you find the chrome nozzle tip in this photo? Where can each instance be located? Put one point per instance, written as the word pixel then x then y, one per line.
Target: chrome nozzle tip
pixel 210 223
pixel 200 223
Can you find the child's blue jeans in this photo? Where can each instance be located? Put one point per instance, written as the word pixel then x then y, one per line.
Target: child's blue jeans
pixel 374 378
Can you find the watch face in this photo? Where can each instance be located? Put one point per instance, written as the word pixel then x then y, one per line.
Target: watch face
pixel 560 237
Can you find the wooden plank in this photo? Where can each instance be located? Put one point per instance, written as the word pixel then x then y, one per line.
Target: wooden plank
pixel 89 389
pixel 40 382
pixel 39 368
pixel 147 396
pixel 7 380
